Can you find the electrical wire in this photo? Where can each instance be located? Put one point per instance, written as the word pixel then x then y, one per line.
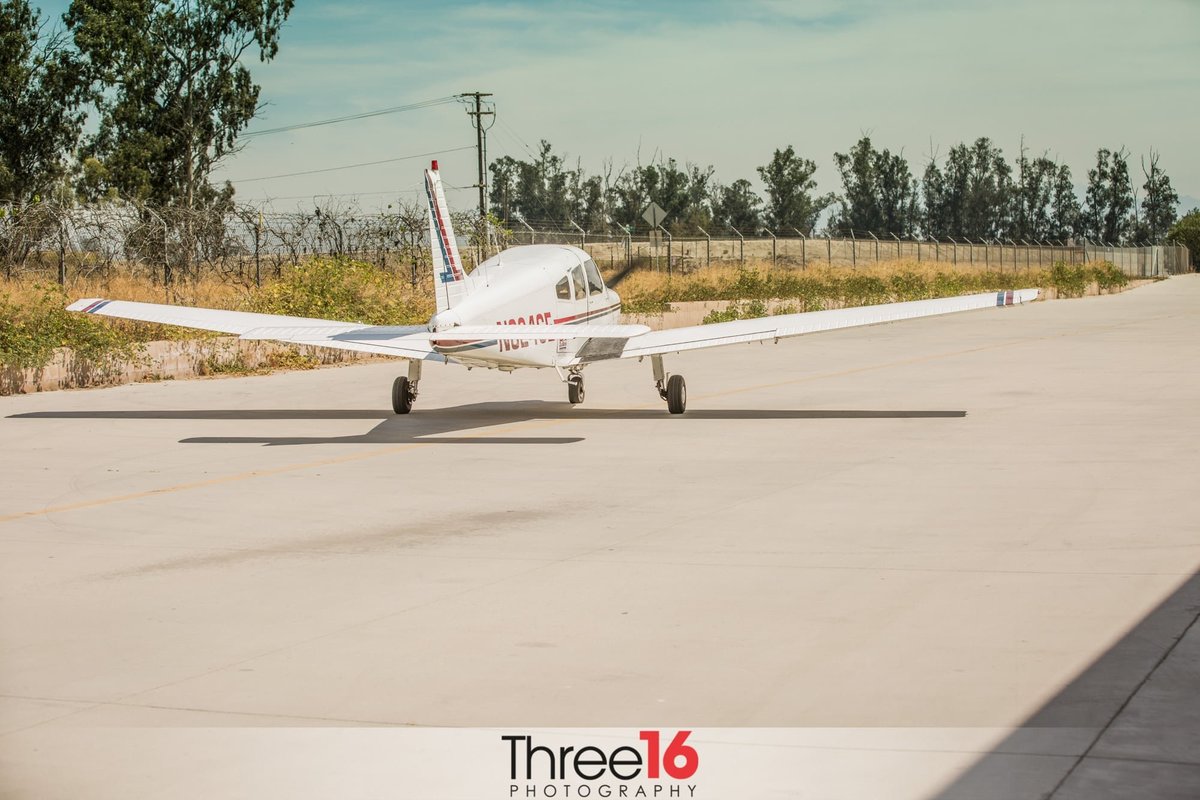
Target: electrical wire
pixel 353 166
pixel 351 117
pixel 360 194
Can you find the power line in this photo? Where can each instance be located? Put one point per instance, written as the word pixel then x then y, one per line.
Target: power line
pixel 353 166
pixel 362 194
pixel 351 117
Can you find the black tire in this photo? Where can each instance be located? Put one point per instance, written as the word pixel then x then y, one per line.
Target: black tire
pixel 575 391
pixel 676 394
pixel 402 395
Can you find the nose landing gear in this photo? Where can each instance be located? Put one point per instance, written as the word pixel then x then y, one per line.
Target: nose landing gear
pixel 575 388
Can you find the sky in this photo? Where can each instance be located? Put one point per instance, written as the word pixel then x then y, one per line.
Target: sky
pixel 717 83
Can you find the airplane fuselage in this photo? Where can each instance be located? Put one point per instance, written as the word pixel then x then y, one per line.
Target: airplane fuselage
pixel 528 285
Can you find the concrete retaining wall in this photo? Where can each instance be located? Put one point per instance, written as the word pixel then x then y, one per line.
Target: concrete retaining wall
pixel 167 360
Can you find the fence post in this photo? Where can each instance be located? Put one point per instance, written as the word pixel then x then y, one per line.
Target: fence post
pixel 876 238
pixel 628 245
pixel 771 233
pixel 62 248
pixel 707 247
pixel 670 239
pixel 258 251
pixel 803 247
pixel 582 234
pixel 853 251
pixel 741 245
pixel 897 238
pixel 526 225
pixel 829 249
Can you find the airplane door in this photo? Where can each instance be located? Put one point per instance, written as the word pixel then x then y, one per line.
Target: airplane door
pixel 579 290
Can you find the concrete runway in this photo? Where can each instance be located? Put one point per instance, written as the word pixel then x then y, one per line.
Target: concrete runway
pixel 941 523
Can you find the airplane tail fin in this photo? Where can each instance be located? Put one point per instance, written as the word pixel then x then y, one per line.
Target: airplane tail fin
pixel 449 275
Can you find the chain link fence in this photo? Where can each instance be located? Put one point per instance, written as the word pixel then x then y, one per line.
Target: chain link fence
pixel 246 245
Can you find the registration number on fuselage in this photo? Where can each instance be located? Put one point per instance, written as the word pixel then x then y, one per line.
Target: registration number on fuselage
pixel 533 319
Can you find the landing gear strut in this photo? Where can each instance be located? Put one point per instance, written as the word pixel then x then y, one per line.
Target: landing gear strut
pixel 404 388
pixel 670 388
pixel 575 388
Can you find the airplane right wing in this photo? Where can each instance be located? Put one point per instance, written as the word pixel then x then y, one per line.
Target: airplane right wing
pixel 695 337
pixel 403 341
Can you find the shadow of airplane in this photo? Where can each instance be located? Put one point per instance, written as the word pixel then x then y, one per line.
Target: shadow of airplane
pixel 430 425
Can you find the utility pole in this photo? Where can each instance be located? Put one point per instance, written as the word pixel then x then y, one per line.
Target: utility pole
pixel 477 116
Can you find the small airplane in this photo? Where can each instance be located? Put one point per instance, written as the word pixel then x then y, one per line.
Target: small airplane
pixel 530 306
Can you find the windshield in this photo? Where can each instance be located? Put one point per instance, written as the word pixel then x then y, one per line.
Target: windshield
pixel 595 284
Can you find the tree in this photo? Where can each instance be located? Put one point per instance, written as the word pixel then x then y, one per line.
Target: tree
pixel 42 92
pixel 880 195
pixel 937 214
pixel 1187 233
pixel 1158 205
pixel 1043 202
pixel 1065 214
pixel 177 92
pixel 737 206
pixel 789 184
pixel 682 193
pixel 547 191
pixel 1107 216
pixel 973 197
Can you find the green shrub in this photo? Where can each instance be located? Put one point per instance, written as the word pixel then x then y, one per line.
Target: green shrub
pixel 31 330
pixel 1070 280
pixel 340 289
pixel 1108 276
pixel 735 311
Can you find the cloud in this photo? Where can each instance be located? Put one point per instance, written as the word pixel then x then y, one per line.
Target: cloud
pixel 725 84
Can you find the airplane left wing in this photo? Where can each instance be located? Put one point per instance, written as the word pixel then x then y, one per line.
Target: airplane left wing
pixel 675 340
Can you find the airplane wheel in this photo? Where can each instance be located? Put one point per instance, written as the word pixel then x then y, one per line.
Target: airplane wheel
pixel 402 395
pixel 575 390
pixel 676 394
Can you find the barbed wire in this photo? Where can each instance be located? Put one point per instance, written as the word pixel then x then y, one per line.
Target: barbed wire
pixel 247 242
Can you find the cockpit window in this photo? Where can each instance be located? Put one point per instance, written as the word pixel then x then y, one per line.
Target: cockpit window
pixel 563 289
pixel 580 283
pixel 595 284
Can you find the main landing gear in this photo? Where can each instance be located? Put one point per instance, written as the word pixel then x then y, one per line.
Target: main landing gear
pixel 404 388
pixel 575 388
pixel 670 388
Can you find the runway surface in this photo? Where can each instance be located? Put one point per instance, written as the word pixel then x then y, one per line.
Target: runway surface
pixel 946 523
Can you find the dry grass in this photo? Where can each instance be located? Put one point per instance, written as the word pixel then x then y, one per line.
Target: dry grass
pixel 822 286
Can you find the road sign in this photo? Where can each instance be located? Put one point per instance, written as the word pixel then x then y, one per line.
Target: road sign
pixel 654 214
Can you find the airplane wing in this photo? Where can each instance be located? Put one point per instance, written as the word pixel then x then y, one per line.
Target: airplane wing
pixel 323 332
pixel 695 337
pixel 404 341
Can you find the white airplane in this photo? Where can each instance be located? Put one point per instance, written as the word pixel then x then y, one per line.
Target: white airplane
pixel 535 306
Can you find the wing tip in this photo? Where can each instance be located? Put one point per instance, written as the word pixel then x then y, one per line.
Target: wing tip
pixel 85 304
